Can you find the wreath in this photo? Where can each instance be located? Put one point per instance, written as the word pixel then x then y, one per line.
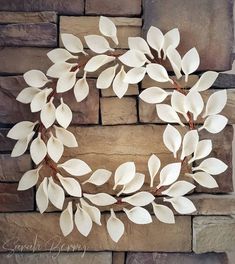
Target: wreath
pixel 49 135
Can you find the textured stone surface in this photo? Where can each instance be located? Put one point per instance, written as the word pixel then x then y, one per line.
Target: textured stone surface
pixel 119 258
pixel 206 33
pixel 6 144
pixel 113 7
pixel 45 229
pixel 118 111
pixel 132 90
pixel 213 233
pixel 225 80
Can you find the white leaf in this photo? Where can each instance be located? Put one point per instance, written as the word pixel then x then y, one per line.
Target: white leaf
pixel 155 39
pixel 97 43
pixel 47 114
pixel 179 188
pixel 60 55
pixel 138 43
pixel 119 86
pixel 169 174
pixel 214 123
pixel 175 60
pixel 83 221
pixel 81 89
pixel 157 72
pixel 93 211
pixel 182 205
pixel 59 68
pixel 153 95
pixel 204 148
pixel 212 166
pixel 133 58
pixel 115 227
pixel 66 220
pixel 38 149
pixel 21 145
pixel 139 199
pixel 55 194
pixel 21 130
pixel 216 103
pixel 204 179
pixel 168 114
pixel 171 38
pixel 97 61
pixel 42 196
pixel 105 78
pixel 66 137
pixel 39 100
pixel 66 81
pixel 75 167
pixel 138 215
pixel 72 43
pixel 134 185
pixel 154 165
pixel 190 142
pixel 135 75
pixel 29 179
pixel 190 62
pixel 163 213
pixel 172 139
pixel 178 102
pixel 27 95
pixel 71 186
pixel 63 114
pixel 206 81
pixel 100 199
pixel 124 174
pixel 55 148
pixel 108 28
pixel 99 177
pixel 35 78
pixel 194 104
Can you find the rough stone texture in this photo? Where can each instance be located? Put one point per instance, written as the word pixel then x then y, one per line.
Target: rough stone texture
pixel 175 258
pixel 6 144
pixel 45 230
pixel 12 200
pixel 119 258
pixel 113 7
pixel 206 33
pixel 213 233
pixel 225 80
pixel 132 90
pixel 81 26
pixel 70 7
pixel 118 111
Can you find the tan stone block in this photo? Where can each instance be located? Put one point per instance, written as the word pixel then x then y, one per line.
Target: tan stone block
pixel 119 258
pixel 132 90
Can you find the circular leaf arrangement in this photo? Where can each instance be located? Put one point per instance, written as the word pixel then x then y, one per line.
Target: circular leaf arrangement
pixel 48 136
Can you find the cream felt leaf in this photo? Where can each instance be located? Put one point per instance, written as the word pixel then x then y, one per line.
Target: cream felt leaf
pixel 29 179
pixel 134 185
pixel 155 39
pixel 38 149
pixel 172 139
pixel 115 227
pixel 168 114
pixel 105 79
pixel 178 102
pixel 99 177
pixel 97 61
pixel 72 43
pixel 214 123
pixel 55 194
pixel 153 95
pixel 139 199
pixel 169 174
pixel 35 78
pixel 190 141
pixel 133 58
pixel 66 137
pixel 157 72
pixel 100 199
pixel 27 95
pixel 204 148
pixel 171 39
pixel 66 220
pixel 108 28
pixel 212 166
pixel 21 130
pixel 66 81
pixel 42 196
pixel 135 75
pixel 179 188
pixel 55 148
pixel 175 60
pixel 194 104
pixel 81 89
pixel 119 86
pixel 93 211
pixel 60 55
pixel 204 179
pixel 71 186
pixel 138 215
pixel 206 81
pixel 47 114
pixel 21 145
pixel 216 103
pixel 97 43
pixel 163 213
pixel 39 100
pixel 154 165
pixel 82 221
pixel 182 205
pixel 59 68
pixel 75 167
pixel 138 43
pixel 63 114
pixel 190 62
pixel 124 174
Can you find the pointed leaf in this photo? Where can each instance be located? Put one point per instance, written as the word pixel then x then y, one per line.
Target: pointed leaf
pixel 42 196
pixel 214 123
pixel 105 79
pixel 81 89
pixel 99 177
pixel 205 179
pixel 157 72
pixel 179 188
pixel 27 95
pixel 60 55
pixel 138 43
pixel 194 104
pixel 35 78
pixel 72 43
pixel 97 43
pixel 212 166
pixel 55 194
pixel 182 205
pixel 29 179
pixel 39 100
pixel 59 68
pixel 139 199
pixel 63 114
pixel 163 213
pixel 115 227
pixel 168 114
pixel 97 61
pixel 178 102
pixel 133 58
pixel 82 221
pixel 155 39
pixel 190 142
pixel 169 174
pixel 93 211
pixel 135 184
pixel 171 39
pixel 66 220
pixel 124 174
pixel 190 62
pixel 55 148
pixel 175 60
pixel 38 149
pixel 21 145
pixel 135 75
pixel 206 81
pixel 66 81
pixel 75 167
pixel 204 148
pixel 153 95
pixel 21 130
pixel 100 199
pixel 154 165
pixel 71 186
pixel 138 215
pixel 108 28
pixel 66 137
pixel 119 86
pixel 47 114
